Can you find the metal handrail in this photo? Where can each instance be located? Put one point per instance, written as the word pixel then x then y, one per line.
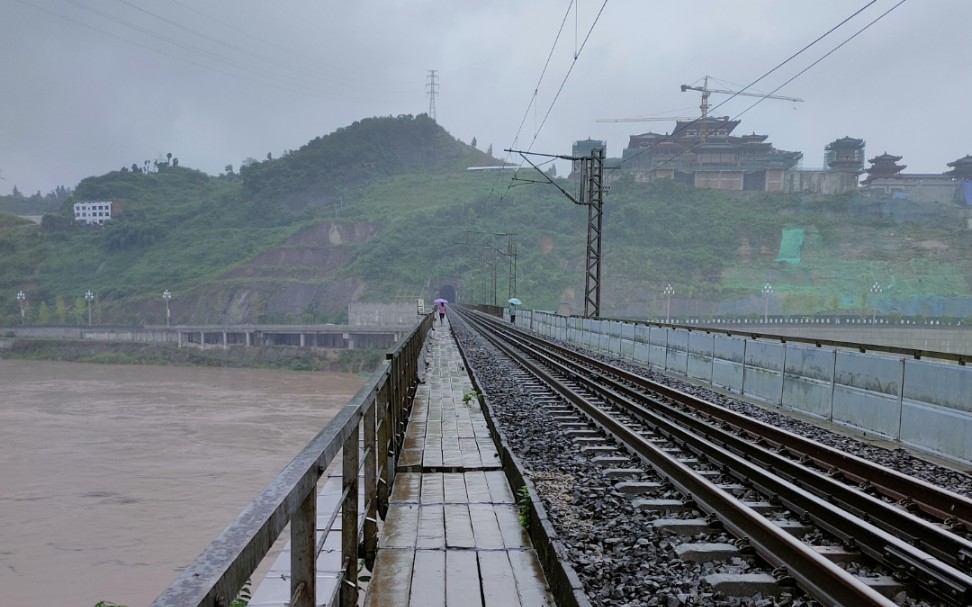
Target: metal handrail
pixel 217 575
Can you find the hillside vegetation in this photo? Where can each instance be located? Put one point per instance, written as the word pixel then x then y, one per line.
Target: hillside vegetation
pixel 385 207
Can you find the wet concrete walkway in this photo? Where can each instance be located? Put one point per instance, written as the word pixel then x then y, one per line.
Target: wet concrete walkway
pixel 452 534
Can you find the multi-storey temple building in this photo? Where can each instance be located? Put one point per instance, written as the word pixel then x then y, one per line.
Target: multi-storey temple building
pixel 706 154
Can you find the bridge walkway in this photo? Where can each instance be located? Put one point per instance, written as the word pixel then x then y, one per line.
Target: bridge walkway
pixel 452 534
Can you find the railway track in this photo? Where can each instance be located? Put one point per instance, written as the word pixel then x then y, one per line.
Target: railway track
pixel 797 504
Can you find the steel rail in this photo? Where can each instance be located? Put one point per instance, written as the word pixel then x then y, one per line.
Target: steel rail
pixel 938 541
pixel 818 576
pixel 937 576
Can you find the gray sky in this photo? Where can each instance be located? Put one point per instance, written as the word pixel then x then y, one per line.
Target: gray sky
pixel 89 86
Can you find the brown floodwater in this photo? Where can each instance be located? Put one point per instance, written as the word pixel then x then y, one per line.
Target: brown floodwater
pixel 113 478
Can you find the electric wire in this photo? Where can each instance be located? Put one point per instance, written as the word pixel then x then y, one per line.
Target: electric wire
pixel 220 64
pixel 533 98
pixel 563 83
pixel 829 53
pixel 350 74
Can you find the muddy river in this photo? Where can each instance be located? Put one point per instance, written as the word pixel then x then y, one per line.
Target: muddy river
pixel 113 478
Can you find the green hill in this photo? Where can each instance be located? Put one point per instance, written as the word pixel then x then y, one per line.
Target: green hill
pixel 386 207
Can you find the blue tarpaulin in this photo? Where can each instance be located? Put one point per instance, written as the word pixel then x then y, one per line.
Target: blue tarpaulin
pixel 967 192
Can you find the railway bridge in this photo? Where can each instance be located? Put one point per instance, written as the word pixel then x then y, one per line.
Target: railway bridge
pixel 573 462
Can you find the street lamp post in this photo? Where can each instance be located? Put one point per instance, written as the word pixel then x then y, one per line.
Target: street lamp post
pixel 89 297
pixel 166 295
pixel 875 291
pixel 767 291
pixel 669 291
pixel 21 299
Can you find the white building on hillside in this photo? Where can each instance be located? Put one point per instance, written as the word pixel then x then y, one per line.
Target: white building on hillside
pixel 92 212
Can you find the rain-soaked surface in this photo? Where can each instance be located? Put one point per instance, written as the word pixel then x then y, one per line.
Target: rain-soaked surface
pixel 113 478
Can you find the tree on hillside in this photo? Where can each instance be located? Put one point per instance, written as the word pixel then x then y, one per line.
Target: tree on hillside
pixel 78 310
pixel 60 310
pixel 43 314
pixel 473 143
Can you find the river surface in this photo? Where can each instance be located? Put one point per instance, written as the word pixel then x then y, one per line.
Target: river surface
pixel 114 478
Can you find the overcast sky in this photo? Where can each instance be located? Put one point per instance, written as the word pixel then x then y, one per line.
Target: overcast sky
pixel 89 86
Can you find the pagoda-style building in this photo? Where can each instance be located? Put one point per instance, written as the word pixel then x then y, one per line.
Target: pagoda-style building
pixel 884 166
pixel 584 147
pixel 845 155
pixel 886 181
pixel 705 154
pixel 961 169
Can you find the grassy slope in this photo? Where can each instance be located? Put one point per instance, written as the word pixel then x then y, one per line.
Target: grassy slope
pixel 179 229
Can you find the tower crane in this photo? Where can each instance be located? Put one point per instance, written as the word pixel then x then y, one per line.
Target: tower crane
pixel 662 119
pixel 706 91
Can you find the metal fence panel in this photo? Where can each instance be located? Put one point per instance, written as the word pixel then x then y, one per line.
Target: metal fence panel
pixel 728 358
pixel 699 364
pixel 935 408
pixel 676 360
pixel 936 384
pixel 627 340
pixel 658 347
pixel 808 380
pixel 867 392
pixel 764 371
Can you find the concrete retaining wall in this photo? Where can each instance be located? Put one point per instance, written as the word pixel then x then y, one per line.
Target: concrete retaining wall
pixel 917 403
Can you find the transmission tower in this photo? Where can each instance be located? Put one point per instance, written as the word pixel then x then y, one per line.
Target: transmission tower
pixel 432 86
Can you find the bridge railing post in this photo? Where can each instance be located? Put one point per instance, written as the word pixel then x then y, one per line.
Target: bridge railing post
pixel 303 568
pixel 349 522
pixel 383 455
pixel 371 484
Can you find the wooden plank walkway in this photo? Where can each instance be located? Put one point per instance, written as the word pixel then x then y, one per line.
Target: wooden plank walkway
pixel 452 535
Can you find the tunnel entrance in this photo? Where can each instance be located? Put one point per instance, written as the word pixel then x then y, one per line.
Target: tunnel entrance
pixel 448 293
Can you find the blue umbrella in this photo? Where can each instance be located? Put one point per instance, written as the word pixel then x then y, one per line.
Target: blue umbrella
pixel 515 301
pixel 440 300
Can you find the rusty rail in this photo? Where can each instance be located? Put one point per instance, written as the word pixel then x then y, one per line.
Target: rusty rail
pixel 379 412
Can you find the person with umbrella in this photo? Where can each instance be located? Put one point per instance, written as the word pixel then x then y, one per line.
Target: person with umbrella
pixel 514 302
pixel 442 309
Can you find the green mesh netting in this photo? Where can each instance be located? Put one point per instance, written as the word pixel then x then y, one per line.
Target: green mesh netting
pixel 790 245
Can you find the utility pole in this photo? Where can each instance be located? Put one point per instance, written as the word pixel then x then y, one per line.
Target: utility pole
pixel 592 195
pixel 511 252
pixel 432 86
pixel 594 173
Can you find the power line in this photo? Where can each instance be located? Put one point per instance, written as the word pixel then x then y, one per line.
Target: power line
pixel 829 53
pixel 271 76
pixel 567 75
pixel 533 98
pixel 563 83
